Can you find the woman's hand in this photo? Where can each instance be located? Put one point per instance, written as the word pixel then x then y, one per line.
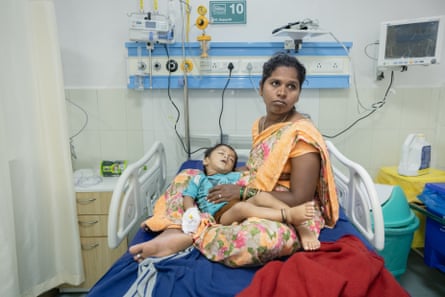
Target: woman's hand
pixel 223 193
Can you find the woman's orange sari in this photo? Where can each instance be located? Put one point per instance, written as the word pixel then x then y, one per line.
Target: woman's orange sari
pixel 270 157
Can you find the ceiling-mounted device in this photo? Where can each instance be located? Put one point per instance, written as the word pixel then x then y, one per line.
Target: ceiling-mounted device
pixel 297 31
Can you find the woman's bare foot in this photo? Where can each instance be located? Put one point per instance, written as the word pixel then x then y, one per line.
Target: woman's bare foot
pixel 299 214
pixel 169 242
pixel 308 240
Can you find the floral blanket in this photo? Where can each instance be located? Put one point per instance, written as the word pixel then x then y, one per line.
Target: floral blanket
pixel 252 242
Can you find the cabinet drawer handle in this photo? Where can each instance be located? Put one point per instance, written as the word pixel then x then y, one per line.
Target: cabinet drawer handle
pixel 86 201
pixel 89 247
pixel 82 223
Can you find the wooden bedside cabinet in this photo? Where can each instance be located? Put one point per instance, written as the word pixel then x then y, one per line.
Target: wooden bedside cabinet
pixel 92 213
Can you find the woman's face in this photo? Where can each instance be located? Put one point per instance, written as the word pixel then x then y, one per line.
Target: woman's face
pixel 281 90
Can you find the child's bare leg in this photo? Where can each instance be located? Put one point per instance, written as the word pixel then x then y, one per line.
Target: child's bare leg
pixel 308 239
pixel 169 242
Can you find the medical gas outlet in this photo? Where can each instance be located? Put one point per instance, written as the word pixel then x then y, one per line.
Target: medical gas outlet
pixel 201 23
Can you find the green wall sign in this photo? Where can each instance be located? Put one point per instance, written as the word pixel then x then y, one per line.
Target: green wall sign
pixel 228 12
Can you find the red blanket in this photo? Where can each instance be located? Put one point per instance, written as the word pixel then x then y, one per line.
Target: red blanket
pixel 342 268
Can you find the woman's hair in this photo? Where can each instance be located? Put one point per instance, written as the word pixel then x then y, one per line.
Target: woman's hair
pixel 209 151
pixel 283 59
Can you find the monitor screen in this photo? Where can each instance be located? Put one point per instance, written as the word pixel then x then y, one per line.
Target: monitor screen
pixel 411 42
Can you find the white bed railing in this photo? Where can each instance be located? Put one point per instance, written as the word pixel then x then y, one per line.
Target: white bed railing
pixel 142 183
pixel 358 196
pixel 136 190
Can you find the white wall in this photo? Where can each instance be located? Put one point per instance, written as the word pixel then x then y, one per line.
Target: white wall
pixel 93 33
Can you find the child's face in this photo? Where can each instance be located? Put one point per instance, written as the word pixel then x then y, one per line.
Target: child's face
pixel 221 160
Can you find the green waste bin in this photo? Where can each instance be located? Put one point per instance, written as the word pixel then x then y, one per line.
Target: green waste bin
pixel 400 224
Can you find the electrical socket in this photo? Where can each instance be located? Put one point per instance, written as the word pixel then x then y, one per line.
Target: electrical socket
pixel 218 66
pixel 251 66
pixel 215 66
pixel 327 66
pixel 221 66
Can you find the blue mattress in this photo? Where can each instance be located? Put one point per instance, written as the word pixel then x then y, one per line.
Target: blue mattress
pixel 180 277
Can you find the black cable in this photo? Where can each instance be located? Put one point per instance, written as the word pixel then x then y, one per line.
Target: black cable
pixel 221 134
pixel 178 112
pixel 287 26
pixel 376 106
pixel 380 104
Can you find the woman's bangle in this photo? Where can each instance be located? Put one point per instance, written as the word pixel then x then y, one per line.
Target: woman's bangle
pixel 250 192
pixel 241 193
pixel 245 193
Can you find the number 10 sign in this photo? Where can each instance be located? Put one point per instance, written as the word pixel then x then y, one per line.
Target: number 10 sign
pixel 228 12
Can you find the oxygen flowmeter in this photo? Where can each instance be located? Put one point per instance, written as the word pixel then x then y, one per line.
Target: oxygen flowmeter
pixel 201 23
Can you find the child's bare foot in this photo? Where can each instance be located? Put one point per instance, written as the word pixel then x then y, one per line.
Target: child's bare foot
pixel 299 214
pixel 308 240
pixel 167 243
pixel 144 250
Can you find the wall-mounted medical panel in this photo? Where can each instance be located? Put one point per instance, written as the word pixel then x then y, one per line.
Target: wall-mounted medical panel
pixel 172 66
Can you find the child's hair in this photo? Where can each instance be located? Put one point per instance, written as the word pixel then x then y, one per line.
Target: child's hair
pixel 209 151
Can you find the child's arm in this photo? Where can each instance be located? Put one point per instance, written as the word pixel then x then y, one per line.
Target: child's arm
pixel 188 202
pixel 191 218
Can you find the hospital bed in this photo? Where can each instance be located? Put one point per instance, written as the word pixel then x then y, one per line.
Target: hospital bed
pixel 193 274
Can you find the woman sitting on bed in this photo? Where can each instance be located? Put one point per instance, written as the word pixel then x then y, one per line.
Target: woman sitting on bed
pixel 288 159
pixel 219 168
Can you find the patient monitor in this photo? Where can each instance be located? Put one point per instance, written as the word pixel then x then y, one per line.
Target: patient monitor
pixel 411 42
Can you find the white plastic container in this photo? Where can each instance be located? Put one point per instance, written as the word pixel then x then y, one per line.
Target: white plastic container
pixel 416 156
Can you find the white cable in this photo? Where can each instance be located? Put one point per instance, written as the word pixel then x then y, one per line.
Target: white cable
pixel 72 148
pixel 353 74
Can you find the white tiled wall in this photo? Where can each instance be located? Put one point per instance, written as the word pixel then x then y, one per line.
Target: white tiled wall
pixel 113 129
pixel 123 123
pixel 377 140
